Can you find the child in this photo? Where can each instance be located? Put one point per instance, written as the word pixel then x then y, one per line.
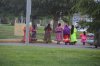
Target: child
pixel 83 37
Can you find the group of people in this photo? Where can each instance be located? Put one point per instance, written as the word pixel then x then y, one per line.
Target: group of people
pixel 32 33
pixel 66 34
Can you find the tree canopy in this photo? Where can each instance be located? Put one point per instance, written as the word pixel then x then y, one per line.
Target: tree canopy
pixel 91 8
pixel 12 7
pixel 39 7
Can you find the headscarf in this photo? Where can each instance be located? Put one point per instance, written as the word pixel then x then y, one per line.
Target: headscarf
pixel 66 30
pixel 72 29
pixel 48 28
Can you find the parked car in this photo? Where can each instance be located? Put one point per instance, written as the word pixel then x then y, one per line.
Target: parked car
pixel 90 38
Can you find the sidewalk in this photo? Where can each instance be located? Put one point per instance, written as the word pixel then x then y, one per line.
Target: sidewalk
pixel 38 41
pixel 49 45
pixel 41 43
pixel 20 41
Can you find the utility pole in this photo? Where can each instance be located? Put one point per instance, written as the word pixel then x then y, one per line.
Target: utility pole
pixel 28 13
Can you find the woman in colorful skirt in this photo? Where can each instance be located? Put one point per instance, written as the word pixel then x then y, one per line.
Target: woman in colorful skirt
pixel 73 38
pixel 59 33
pixel 47 35
pixel 24 37
pixel 66 34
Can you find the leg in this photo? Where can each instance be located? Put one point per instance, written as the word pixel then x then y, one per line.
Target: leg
pixel 71 43
pixel 65 43
pixel 58 42
pixel 83 43
pixel 74 42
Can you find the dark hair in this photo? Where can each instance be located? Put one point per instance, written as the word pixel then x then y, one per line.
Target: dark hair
pixel 34 26
pixel 48 27
pixel 66 25
pixel 72 29
pixel 59 24
pixel 84 33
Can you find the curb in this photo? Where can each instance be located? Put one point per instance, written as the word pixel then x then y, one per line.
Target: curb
pixel 20 41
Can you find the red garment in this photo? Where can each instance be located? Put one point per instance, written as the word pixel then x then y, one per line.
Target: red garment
pixel 83 37
pixel 24 37
pixel 66 38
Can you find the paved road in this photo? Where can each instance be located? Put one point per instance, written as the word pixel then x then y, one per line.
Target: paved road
pixel 51 45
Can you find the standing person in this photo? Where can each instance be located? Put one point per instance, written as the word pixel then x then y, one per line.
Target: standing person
pixel 34 33
pixel 73 38
pixel 59 33
pixel 66 34
pixel 83 37
pixel 47 36
pixel 24 37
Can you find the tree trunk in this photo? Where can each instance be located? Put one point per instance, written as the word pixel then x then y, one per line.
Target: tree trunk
pixel 55 22
pixel 97 39
pixel 4 20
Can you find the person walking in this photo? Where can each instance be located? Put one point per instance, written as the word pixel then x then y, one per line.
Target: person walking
pixel 66 34
pixel 83 37
pixel 59 33
pixel 73 38
pixel 47 35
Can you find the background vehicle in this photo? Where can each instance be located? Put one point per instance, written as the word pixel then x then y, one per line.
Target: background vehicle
pixel 90 38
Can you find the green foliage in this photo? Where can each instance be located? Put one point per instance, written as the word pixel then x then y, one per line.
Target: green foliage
pixel 66 19
pixel 84 24
pixel 12 7
pixel 39 7
pixel 87 7
pixel 91 8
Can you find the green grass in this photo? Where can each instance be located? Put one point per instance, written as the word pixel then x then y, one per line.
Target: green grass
pixel 40 32
pixel 7 31
pixel 41 56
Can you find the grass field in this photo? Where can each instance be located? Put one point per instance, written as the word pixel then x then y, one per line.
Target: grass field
pixel 41 56
pixel 7 31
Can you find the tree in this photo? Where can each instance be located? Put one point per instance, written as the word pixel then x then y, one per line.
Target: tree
pixel 54 8
pixel 40 8
pixel 92 8
pixel 11 8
